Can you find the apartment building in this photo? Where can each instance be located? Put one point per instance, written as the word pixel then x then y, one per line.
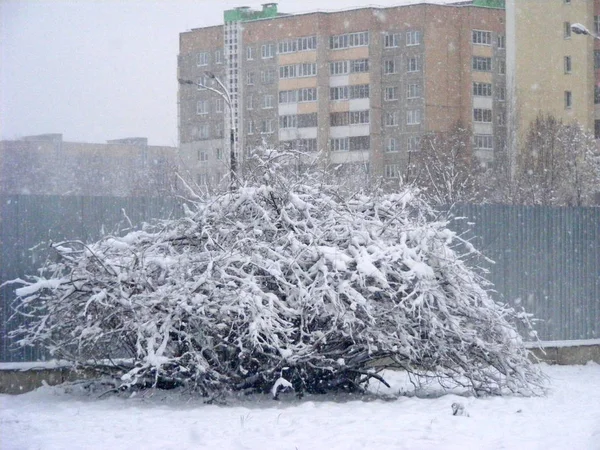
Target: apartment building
pixel 48 165
pixel 362 86
pixel 551 69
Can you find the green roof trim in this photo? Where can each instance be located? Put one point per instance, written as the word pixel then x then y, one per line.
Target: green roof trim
pixel 244 13
pixel 490 3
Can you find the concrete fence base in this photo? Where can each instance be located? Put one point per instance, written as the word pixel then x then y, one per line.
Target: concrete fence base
pixel 15 380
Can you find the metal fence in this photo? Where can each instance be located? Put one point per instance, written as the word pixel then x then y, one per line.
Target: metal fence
pixel 28 223
pixel 546 259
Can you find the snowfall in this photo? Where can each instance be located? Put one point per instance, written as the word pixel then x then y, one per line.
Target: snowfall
pixel 66 417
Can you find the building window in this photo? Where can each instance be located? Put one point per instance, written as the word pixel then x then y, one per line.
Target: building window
pixel 567 26
pixel 203 131
pixel 501 67
pixel 268 102
pixel 349 92
pixel 346 67
pixel 202 107
pixel 414 143
pixel 218 57
pixel 219 105
pixel 501 119
pixel 596 95
pixel 219 130
pixel 482 64
pixel 413 38
pixel 203 58
pixel 250 78
pixel 568 99
pixel 391 145
pixel 267 51
pixel 339 144
pixel 307 120
pixel 288 96
pixel 267 126
pixel 501 41
pixel 359 66
pixel 359 39
pixel 202 156
pixel 413 90
pixel 482 115
pixel 501 94
pixel 267 76
pixel 250 127
pixel 219 154
pixel 338 119
pixel 250 102
pixel 298 45
pixel 596 59
pixel 390 93
pixel 597 129
pixel 412 64
pixel 298 70
pixel 391 40
pixel 482 89
pixel 202 179
pixel 391 119
pixel 307 95
pixel 249 53
pixel 413 117
pixel 567 64
pixel 597 24
pixel 360 143
pixel 482 37
pixel 389 66
pixel 288 121
pixel 483 142
pixel 339 68
pixel 391 171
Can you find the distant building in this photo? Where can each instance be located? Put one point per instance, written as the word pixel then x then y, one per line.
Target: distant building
pixel 551 69
pixel 47 165
pixel 361 85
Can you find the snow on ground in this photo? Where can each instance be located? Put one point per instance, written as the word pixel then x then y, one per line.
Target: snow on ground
pixel 568 418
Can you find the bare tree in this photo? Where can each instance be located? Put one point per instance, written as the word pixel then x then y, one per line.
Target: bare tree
pixel 558 164
pixel 444 167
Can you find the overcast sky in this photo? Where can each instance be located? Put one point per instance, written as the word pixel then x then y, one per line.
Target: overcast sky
pixel 100 70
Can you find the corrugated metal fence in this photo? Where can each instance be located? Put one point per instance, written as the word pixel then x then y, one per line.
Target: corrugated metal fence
pixel 28 223
pixel 546 259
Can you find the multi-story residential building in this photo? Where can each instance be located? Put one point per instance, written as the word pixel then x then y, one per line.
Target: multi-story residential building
pixel 48 165
pixel 362 86
pixel 551 69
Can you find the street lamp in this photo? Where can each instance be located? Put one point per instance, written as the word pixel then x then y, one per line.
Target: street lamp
pixel 579 28
pixel 226 96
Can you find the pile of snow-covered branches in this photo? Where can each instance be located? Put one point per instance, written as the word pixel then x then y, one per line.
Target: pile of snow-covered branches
pixel 280 281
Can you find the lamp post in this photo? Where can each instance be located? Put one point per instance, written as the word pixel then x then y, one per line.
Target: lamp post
pixel 579 28
pixel 226 96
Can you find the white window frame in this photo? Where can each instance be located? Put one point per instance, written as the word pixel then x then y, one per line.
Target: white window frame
pixel 413 117
pixel 249 53
pixel 390 67
pixel 482 64
pixel 413 38
pixel 267 51
pixel 391 171
pixel 339 144
pixel 481 37
pixel 391 40
pixel 391 119
pixel 202 107
pixel 483 142
pixel 267 127
pixel 268 101
pixel 413 90
pixel 391 145
pixel 390 93
pixel 413 64
pixel 482 115
pixel 413 143
pixel 481 89
pixel 203 59
pixel 219 56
